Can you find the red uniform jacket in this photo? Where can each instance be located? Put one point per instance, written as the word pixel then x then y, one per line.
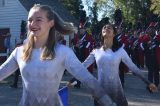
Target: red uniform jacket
pixel 158 50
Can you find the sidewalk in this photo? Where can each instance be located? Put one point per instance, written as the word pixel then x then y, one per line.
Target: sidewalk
pixel 134 89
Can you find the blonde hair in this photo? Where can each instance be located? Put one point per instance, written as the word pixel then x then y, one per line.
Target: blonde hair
pixel 61 26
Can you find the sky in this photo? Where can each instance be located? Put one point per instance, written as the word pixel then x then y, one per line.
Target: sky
pixel 100 13
pixel 85 6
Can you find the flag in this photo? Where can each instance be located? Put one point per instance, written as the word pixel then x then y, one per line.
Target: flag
pixel 63 93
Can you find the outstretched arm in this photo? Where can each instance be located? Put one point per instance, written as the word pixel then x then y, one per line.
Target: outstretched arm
pixel 89 60
pixel 127 60
pixel 74 66
pixel 9 66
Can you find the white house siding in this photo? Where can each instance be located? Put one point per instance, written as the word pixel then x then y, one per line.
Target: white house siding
pixel 10 17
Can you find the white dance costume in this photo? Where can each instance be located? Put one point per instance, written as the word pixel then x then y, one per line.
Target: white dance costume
pixel 41 78
pixel 108 71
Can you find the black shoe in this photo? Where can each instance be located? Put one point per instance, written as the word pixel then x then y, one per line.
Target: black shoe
pixel 13 86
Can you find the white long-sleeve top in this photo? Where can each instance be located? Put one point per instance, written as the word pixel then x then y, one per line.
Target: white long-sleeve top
pixel 108 71
pixel 41 78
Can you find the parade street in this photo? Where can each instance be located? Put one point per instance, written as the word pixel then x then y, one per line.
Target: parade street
pixel 135 91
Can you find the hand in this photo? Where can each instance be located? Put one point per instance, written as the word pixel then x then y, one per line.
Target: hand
pixel 152 88
pixel 70 85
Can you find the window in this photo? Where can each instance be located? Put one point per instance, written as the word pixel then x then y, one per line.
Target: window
pixel 2 3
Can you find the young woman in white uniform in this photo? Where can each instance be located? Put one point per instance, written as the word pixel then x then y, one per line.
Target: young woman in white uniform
pixel 42 61
pixel 108 58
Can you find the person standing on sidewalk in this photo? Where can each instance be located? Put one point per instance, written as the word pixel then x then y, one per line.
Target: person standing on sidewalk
pixel 108 58
pixel 42 61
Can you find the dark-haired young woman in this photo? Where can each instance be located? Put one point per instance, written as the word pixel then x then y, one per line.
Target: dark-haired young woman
pixel 108 58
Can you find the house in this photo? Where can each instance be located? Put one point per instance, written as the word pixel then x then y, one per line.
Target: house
pixel 12 12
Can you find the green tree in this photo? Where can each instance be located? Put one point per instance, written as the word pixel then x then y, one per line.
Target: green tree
pixel 133 11
pixel 103 7
pixel 95 7
pixel 73 6
pixel 155 6
pixel 94 13
pixel 94 19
